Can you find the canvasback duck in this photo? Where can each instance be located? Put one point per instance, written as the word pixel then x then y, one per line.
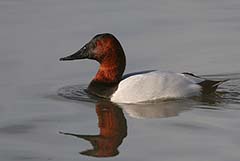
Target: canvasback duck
pixel 110 83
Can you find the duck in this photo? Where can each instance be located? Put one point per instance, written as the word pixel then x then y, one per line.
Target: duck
pixel 144 86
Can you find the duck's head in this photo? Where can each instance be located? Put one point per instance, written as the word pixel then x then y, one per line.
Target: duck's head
pixel 104 48
pixel 107 50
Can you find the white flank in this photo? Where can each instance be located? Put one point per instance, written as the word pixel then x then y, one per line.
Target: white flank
pixel 156 85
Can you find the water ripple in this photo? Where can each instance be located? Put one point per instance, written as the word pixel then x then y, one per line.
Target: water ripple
pixel 228 92
pixel 76 92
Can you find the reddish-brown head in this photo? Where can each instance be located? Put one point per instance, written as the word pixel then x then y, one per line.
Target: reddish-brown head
pixel 107 50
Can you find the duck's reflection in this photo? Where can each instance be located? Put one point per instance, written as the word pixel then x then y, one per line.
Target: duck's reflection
pixel 113 129
pixel 168 108
pixel 161 109
pixel 113 125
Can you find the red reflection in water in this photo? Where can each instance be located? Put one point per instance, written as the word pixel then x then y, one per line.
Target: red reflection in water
pixel 113 129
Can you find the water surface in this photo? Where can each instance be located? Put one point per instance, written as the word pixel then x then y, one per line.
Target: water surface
pixel 183 36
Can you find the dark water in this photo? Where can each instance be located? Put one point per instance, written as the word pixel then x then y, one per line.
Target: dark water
pixel 46 115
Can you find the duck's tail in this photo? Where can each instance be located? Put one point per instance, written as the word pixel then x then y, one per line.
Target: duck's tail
pixel 210 86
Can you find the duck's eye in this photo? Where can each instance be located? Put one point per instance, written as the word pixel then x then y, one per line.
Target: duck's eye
pixel 84 48
pixel 91 45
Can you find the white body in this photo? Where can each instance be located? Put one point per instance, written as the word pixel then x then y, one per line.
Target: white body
pixel 156 85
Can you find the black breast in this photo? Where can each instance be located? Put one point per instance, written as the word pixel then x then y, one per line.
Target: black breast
pixel 102 89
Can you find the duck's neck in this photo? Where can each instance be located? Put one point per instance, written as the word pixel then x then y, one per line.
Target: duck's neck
pixel 106 81
pixel 108 75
